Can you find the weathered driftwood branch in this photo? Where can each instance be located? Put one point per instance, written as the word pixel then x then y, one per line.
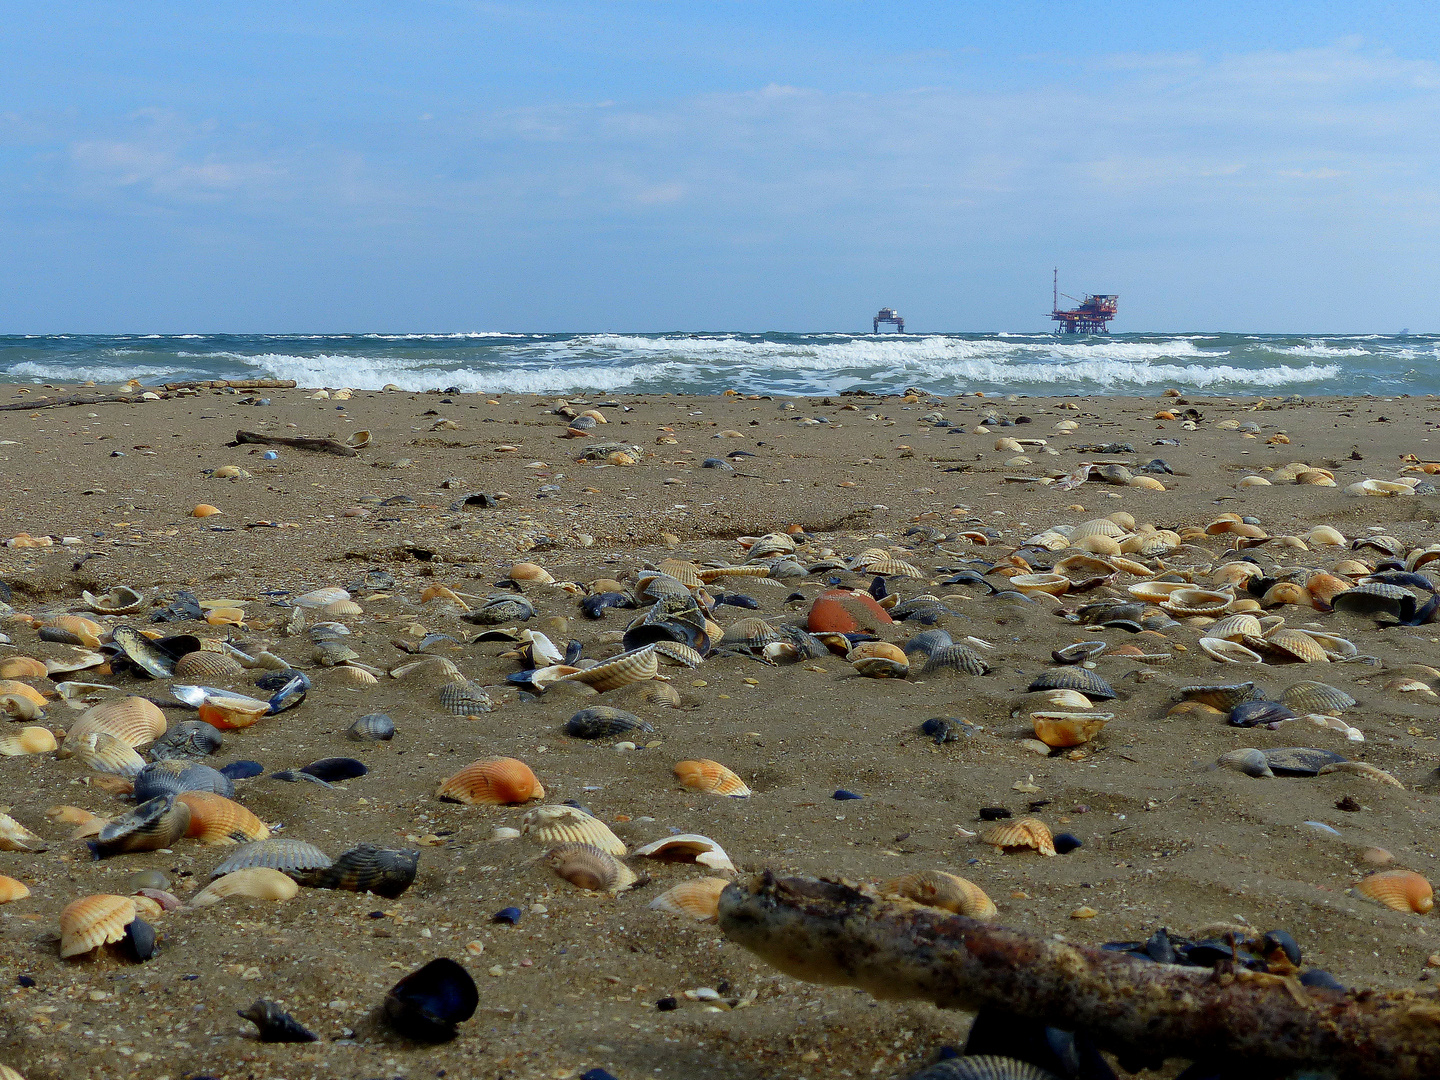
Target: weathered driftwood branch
pixel 77 399
pixel 234 384
pixel 836 933
pixel 298 442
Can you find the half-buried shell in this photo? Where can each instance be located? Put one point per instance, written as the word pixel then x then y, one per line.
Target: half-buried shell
pixel 690 848
pixel 949 892
pixel 133 720
pixel 637 665
pixel 372 727
pixel 1059 730
pixel 1307 697
pixel 176 775
pixel 277 853
pixel 92 921
pixel 958 657
pixel 1074 678
pixel 1020 833
pixel 104 753
pixel 698 899
pixel 1399 890
pixel 386 872
pixel 16 837
pixel 587 867
pixel 492 782
pixel 570 825
pixel 154 824
pixel 215 819
pixel 187 739
pixel 1228 651
pixel 205 664
pixel 258 882
pixel 1224 697
pixel 602 722
pixel 465 699
pixel 30 740
pixel 710 777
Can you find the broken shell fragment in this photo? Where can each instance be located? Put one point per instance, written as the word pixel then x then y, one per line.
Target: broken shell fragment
pixel 687 847
pixel 1059 730
pixel 16 837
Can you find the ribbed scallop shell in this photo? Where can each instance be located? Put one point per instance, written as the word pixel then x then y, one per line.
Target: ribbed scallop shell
pixel 949 892
pixel 16 837
pixel 11 890
pixel 342 609
pixel 276 853
pixel 176 775
pixel 637 665
pixel 1097 527
pixel 1228 651
pixel 1307 697
pixel 1225 697
pixel 1191 601
pixel 687 573
pixel 492 782
pixel 570 824
pixel 104 753
pixel 1399 890
pixel 956 657
pixel 587 867
pixel 710 777
pixel 215 819
pixel 319 598
pixel 690 848
pixel 260 882
pixel 430 667
pixel 983 1067
pixel 204 664
pixel 22 667
pixel 133 720
pixel 1297 646
pixel 1025 832
pixel 464 699
pixel 717 573
pixel 30 740
pixel 92 921
pixel 349 676
pixel 750 634
pixel 1073 678
pixel 1234 627
pixel 698 899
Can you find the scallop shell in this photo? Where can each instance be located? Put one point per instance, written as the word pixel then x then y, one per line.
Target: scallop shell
pixel 570 824
pixel 1358 768
pixel 1225 697
pixel 587 867
pixel 1228 652
pixel 1191 601
pixel 22 667
pixel 1235 627
pixel 1307 697
pixel 155 823
pixel 1399 890
pixel 259 882
pixel 204 664
pixel 92 921
pixel 350 676
pixel 949 892
pixel 687 573
pixel 11 890
pixel 601 722
pixel 750 634
pixel 1053 584
pixel 321 597
pixel 277 853
pixel 72 630
pixel 983 1067
pixel 386 872
pixel 698 899
pixel 1097 527
pixel 1058 730
pixel 16 837
pixel 133 720
pixel 492 782
pixel 690 848
pixel 30 740
pixel 104 753
pixel 956 657
pixel 1297 645
pixel 710 777
pixel 465 699
pixel 1073 678
pixel 215 819
pixel 1025 832
pixel 648 693
pixel 342 609
pixel 637 665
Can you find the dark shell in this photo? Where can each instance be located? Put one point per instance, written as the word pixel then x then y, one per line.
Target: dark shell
pixel 331 769
pixel 386 872
pixel 1078 652
pixel 275 1024
pixel 1299 760
pixel 143 653
pixel 958 657
pixel 594 606
pixel 241 770
pixel 60 637
pixel 945 729
pixel 1225 697
pixel 184 608
pixel 927 642
pixel 287 856
pixel 290 694
pixel 1317 697
pixel 501 609
pixel 156 823
pixel 1376 598
pixel 1282 941
pixel 187 739
pixel 510 916
pixel 1321 980
pixel 649 631
pixel 983 1067
pixel 427 1004
pixel 372 727
pixel 1067 842
pixel 1074 678
pixel 601 722
pixel 1253 713
pixel 1129 625
pixel 176 776
pixel 807 645
pixel 465 699
pixel 138 944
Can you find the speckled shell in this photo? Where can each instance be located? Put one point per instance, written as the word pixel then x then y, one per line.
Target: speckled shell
pixel 22 667
pixel 1073 678
pixel 386 872
pixel 16 837
pixel 104 753
pixel 1306 697
pixel 154 824
pixel 1025 832
pixel 275 853
pixel 260 882
pixel 492 782
pixel 587 867
pixel 637 665
pixel 698 899
pixel 30 740
pixel 133 720
pixel 11 890
pixel 93 921
pixel 937 889
pixel 1399 890
pixel 710 777
pixel 464 699
pixel 690 848
pixel 215 819
pixel 570 824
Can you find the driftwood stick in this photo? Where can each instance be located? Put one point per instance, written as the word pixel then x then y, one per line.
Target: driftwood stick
pixel 234 384
pixel 77 399
pixel 836 933
pixel 300 442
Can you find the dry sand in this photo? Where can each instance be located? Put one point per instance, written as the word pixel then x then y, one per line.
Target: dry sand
pixel 1168 840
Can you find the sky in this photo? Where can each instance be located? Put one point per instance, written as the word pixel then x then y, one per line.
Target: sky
pixel 443 165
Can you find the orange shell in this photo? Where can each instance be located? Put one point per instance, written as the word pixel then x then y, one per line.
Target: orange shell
pixel 225 616
pixel 1324 587
pixel 69 815
pixel 92 921
pixel 529 571
pixel 204 510
pixel 1025 832
pixel 228 715
pixel 840 611
pixel 30 740
pixel 1164 414
pixel 86 631
pixel 1285 592
pixel 711 777
pixel 1059 730
pixel 10 889
pixel 492 782
pixel 1399 890
pixel 949 892
pixel 135 721
pixel 25 690
pixel 699 899
pixel 215 819
pixel 22 667
pixel 881 650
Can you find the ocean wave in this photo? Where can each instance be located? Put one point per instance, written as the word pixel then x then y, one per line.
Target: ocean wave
pixel 1318 350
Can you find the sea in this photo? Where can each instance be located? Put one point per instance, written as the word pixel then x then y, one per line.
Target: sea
pixel 493 362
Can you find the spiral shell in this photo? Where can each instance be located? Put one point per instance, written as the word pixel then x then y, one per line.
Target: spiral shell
pixel 710 777
pixel 949 892
pixel 260 882
pixel 1399 890
pixel 492 782
pixel 687 847
pixel 92 921
pixel 277 853
pixel 215 819
pixel 587 867
pixel 30 740
pixel 1027 832
pixel 698 899
pixel 637 665
pixel 204 664
pixel 11 890
pixel 133 720
pixel 570 824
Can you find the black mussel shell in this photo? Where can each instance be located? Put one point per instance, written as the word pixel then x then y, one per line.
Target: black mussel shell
pixel 1252 713
pixel 331 769
pixel 290 694
pixel 178 645
pixel 275 1024
pixel 1079 652
pixel 372 727
pixel 138 944
pixel 1281 940
pixel 241 770
pixel 493 635
pixel 945 729
pixel 184 608
pixel 1002 1045
pixel 573 651
pixel 1401 577
pixel 145 654
pixel 1299 760
pixel 594 606
pixel 187 739
pixel 509 916
pixel 1321 980
pixel 1067 842
pixel 386 872
pixel 1160 948
pixel 739 600
pixel 601 722
pixel 427 1004
pixel 994 813
pixel 647 633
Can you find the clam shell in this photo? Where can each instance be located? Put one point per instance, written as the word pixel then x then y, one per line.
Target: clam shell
pixel 1074 678
pixel 92 921
pixel 24 690
pixel 1228 651
pixel 1306 697
pixel 1399 890
pixel 1053 584
pixel 689 848
pixel 372 727
pixel 698 899
pixel 1249 761
pixel 104 753
pixel 427 1004
pixel 710 777
pixel 320 598
pixel 22 667
pixel 15 706
pixel 30 740
pixel 492 782
pixel 956 657
pixel 12 890
pixel 385 872
pixel 750 634
pixel 1224 697
pixel 949 892
pixel 601 722
pixel 1054 699
pixel 1155 591
pixel 1286 592
pixel 637 665
pixel 570 824
pixel 73 630
pixel 143 652
pixel 133 720
pixel 121 600
pixel 187 739
pixel 259 882
pixel 277 853
pixel 16 837
pixel 1058 730
pixel 879 660
pixel 587 867
pixel 155 823
pixel 175 776
pixel 1325 535
pixel 1027 832
pixel 464 699
pixel 207 665
pixel 232 713
pixel 215 819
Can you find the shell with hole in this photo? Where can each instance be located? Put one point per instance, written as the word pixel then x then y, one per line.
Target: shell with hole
pixel 90 922
pixel 215 819
pixel 570 825
pixel 1399 890
pixel 587 867
pixel 711 778
pixel 492 782
pixel 1020 834
pixel 949 892
pixel 257 882
pixel 698 899
pixel 689 848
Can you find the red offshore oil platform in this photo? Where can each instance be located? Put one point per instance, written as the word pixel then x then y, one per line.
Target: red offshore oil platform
pixel 1091 317
pixel 888 315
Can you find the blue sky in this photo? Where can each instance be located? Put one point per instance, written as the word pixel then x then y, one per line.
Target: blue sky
pixel 265 167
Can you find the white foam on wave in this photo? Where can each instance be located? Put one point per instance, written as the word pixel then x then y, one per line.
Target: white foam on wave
pixel 1315 349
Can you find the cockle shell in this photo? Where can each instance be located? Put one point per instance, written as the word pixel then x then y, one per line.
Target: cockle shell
pixel 1079 679
pixel 649 693
pixel 570 824
pixel 698 899
pixel 1316 697
pixel 710 777
pixel 92 921
pixel 1098 527
pixel 1191 601
pixel 937 889
pixel 104 753
pixel 120 600
pixel 492 782
pixel 319 598
pixel 386 872
pixel 532 572
pixel 16 837
pixel 11 890
pixel 1325 587
pixel 1027 832
pixel 204 664
pixel 1297 645
pixel 154 824
pixel 1234 627
pixel 215 819
pixel 22 667
pixel 1399 890
pixel 30 740
pixel 637 665
pixel 350 676
pixel 277 853
pixel 1054 584
pixel 260 882
pixel 687 847
pixel 464 698
pixel 587 867
pixel 72 629
pixel 135 721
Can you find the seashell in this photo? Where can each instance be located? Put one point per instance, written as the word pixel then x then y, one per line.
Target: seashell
pixel 982 1067
pixel 1296 645
pixel 1422 557
pixel 750 634
pixel 30 740
pixel 570 824
pixel 426 1005
pixel 1058 730
pixel 1399 890
pixel 845 612
pixel 680 654
pixel 372 727
pixel 342 609
pixel 1073 678
pixel 330 652
pixel 207 665
pixel 601 722
pixel 1361 768
pixel 92 921
pixel 1053 584
pixel 954 658
pixel 22 667
pixel 12 890
pixel 1285 592
pixel 16 837
pixel 937 889
pixel 1249 761
pixel 892 568
pixel 319 598
pixel 385 872
pixel 1079 652
pixel 75 660
pixel 1097 544
pixel 1192 601
pixel 225 616
pixel 334 769
pixel 259 882
pixel 1253 713
pixel 1306 697
pixel 442 592
pixel 104 753
pixel 465 699
pixel 1324 536
pixel 710 777
pixel 205 510
pixel 156 823
pixel 1027 832
pixel 351 677
pixel 121 600
pixel 134 721
pixel 69 815
pixel 1376 598
pixel 687 573
pixel 1299 760
pixel 215 819
pixel 13 687
pixel 1380 488
pixel 20 707
pixel 492 782
pixel 688 848
pixel 1253 481
pixel 698 899
pixel 1055 699
pixel 1228 651
pixel 275 1024
pixel 1235 627
pixel 587 867
pixel 649 693
pixel 277 853
pixel 1155 591
pixel 1235 573
pixel 878 660
pixel 1098 527
pixel 636 665
pixel 1225 697
pixel 174 776
pixel 72 630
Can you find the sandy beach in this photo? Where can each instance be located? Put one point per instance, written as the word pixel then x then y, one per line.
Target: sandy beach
pixel 1167 838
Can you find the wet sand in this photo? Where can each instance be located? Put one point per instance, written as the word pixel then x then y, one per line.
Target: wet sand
pixel 1167 839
